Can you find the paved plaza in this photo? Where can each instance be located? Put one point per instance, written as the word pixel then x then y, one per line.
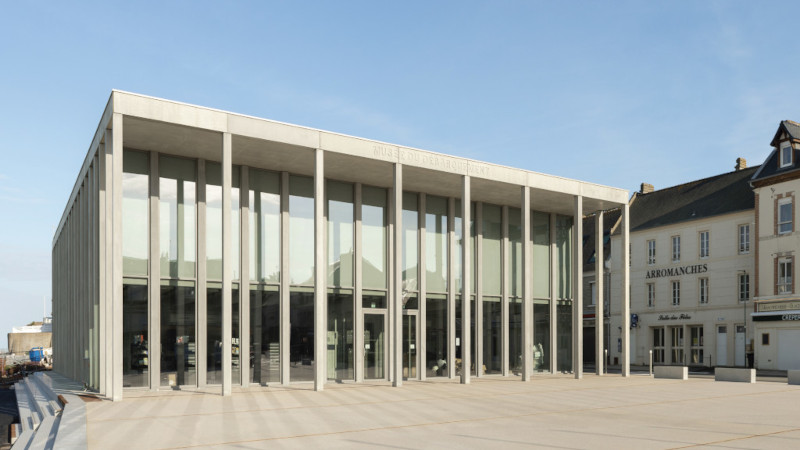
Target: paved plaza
pixel 553 411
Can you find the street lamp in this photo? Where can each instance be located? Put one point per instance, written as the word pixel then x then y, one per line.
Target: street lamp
pixel 744 314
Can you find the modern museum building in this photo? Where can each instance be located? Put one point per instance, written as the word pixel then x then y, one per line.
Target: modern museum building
pixel 200 247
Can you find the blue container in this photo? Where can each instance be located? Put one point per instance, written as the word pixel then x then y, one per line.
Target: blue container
pixel 36 354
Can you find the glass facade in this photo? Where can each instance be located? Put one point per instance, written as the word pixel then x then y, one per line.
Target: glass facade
pixel 374 242
pixel 340 234
pixel 177 216
pixel 301 230
pixel 436 336
pixel 301 341
pixel 540 235
pixel 492 335
pixel 410 242
pixel 214 221
pixel 178 335
pixel 265 332
pixel 135 213
pixel 214 335
pixel 541 336
pixel 492 244
pixel 135 350
pixel 265 226
pixel 436 244
pixel 340 357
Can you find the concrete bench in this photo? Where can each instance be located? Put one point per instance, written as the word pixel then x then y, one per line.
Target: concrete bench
pixel 794 376
pixel 734 374
pixel 671 372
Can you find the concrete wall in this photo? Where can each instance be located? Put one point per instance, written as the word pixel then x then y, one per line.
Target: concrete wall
pixel 21 343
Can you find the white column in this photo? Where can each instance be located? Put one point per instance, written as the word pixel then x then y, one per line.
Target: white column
pixel 527 301
pixel 154 304
pixel 105 367
pixel 320 281
pixel 227 267
pixel 451 288
pixel 599 307
pixel 116 260
pixel 286 334
pixel 244 275
pixel 358 340
pixel 397 273
pixel 422 344
pixel 466 282
pixel 479 287
pixel 577 288
pixel 553 296
pixel 202 278
pixel 505 290
pixel 625 297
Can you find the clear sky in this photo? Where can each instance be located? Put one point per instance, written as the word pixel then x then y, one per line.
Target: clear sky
pixel 615 93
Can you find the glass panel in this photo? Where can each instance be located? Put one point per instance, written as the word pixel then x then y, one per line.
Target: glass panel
pixel 177 203
pixel 340 234
pixel 214 336
pixel 214 221
pixel 564 250
pixel 373 237
pixel 493 335
pixel 135 354
pixel 436 244
pixel 540 224
pixel 301 230
pixel 301 344
pixel 410 302
pixel 473 337
pixel 340 337
pixel 178 345
pixel 265 332
pixel 457 232
pixel 135 212
pixel 541 337
pixel 436 339
pixel 564 350
pixel 374 346
pixel 410 241
pixel 265 226
pixel 515 251
pixel 515 343
pixel 492 242
pixel 410 346
pixel 372 301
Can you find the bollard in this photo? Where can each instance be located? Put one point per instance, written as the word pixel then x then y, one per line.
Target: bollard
pixel 605 366
pixel 651 363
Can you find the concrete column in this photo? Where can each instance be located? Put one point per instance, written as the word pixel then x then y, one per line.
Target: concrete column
pixel 116 260
pixel 201 353
pixel 244 276
pixel 320 266
pixel 599 307
pixel 358 340
pixel 397 272
pixel 577 288
pixel 284 294
pixel 553 296
pixel 466 282
pixel 227 266
pixel 527 301
pixel 479 287
pixel 102 223
pixel 389 353
pixel 422 345
pixel 505 291
pixel 451 288
pixel 625 297
pixel 154 281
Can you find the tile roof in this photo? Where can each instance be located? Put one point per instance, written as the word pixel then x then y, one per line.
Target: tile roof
pixel 771 166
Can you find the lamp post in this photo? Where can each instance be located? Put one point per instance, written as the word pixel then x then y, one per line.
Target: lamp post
pixel 744 315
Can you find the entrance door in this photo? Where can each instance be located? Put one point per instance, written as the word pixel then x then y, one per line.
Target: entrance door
pixel 410 346
pixel 374 346
pixel 722 345
pixel 739 346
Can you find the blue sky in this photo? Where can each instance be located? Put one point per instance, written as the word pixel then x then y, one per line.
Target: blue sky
pixel 614 93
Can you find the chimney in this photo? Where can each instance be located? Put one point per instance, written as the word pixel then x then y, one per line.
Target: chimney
pixel 741 163
pixel 646 188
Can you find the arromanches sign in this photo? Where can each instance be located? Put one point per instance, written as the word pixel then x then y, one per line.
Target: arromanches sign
pixel 779 306
pixel 677 271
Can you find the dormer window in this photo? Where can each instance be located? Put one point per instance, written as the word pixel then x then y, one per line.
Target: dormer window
pixel 786 155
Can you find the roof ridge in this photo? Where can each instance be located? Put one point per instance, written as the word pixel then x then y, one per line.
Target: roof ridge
pixel 703 179
pixel 792 122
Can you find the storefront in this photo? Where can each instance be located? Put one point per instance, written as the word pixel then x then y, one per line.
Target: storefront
pixel 777 334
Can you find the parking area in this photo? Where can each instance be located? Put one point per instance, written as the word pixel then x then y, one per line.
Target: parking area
pixel 552 411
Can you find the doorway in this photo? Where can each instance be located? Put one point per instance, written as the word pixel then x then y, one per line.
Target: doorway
pixel 722 345
pixel 374 346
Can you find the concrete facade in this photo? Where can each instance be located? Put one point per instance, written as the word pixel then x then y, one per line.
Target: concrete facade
pixel 165 178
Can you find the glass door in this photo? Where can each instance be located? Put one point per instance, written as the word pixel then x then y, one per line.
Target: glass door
pixel 410 346
pixel 374 346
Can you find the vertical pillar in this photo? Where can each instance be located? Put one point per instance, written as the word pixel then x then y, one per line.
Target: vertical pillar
pixel 397 273
pixel 466 282
pixel 227 267
pixel 577 288
pixel 284 293
pixel 625 297
pixel 201 293
pixel 389 358
pixel 599 307
pixel 116 260
pixel 451 289
pixel 244 275
pixel 527 301
pixel 505 291
pixel 320 282
pixel 422 344
pixel 102 221
pixel 154 282
pixel 358 342
pixel 553 296
pixel 479 287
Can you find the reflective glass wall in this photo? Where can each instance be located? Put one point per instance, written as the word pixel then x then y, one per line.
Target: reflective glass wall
pixel 436 259
pixel 341 234
pixel 301 277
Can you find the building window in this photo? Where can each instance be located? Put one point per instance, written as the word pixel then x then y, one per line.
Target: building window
pixel 744 239
pixel 658 345
pixel 676 248
pixel 651 295
pixel 744 287
pixel 786 156
pixel 765 339
pixel 677 344
pixel 704 252
pixel 785 215
pixel 703 291
pixel 785 276
pixel 697 345
pixel 676 293
pixel 651 252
